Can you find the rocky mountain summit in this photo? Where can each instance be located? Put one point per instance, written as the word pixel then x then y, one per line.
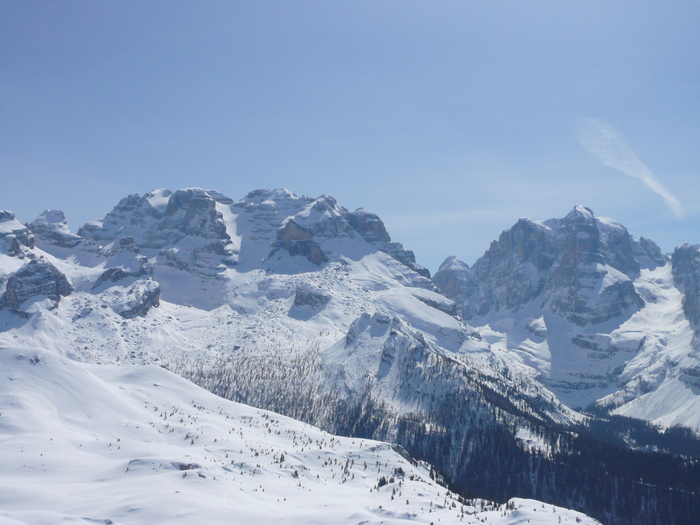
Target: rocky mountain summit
pixel 580 267
pixel 202 232
pixel 603 317
pixel 51 227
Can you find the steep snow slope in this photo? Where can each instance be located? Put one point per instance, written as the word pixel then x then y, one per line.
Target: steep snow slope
pixel 596 312
pixel 105 444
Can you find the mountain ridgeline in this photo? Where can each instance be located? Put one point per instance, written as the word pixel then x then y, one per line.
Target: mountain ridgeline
pixel 554 368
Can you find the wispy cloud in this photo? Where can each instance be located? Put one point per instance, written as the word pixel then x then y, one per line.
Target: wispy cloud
pixel 607 144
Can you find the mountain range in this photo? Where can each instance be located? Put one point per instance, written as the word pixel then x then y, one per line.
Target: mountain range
pixel 562 366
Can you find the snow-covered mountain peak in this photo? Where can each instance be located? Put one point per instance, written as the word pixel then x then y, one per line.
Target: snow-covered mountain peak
pixel 51 227
pixel 580 213
pixel 454 279
pixel 453 264
pixel 273 205
pixel 158 199
pixel 56 217
pixel 34 282
pixel 161 218
pixel 274 195
pixel 574 298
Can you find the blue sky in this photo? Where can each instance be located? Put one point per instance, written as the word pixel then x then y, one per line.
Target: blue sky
pixel 448 119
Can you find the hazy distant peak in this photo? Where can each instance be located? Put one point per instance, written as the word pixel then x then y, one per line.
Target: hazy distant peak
pixel 580 212
pixel 453 264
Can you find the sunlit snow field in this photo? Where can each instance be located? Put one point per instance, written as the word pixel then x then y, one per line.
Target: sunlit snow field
pixel 138 445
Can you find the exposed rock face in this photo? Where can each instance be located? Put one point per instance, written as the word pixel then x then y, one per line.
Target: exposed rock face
pixel 513 270
pixel 648 254
pixel 193 212
pixel 686 276
pixel 406 257
pixel 51 227
pixel 124 261
pixel 307 295
pixel 298 240
pixel 164 221
pixel 36 278
pixel 204 233
pixel 133 210
pixel 369 225
pixel 13 234
pixel 372 229
pixel 455 279
pixel 580 267
pixel 117 273
pixel 445 306
pixel 185 226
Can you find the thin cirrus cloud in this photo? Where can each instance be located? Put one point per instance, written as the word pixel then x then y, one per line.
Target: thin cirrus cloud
pixel 607 144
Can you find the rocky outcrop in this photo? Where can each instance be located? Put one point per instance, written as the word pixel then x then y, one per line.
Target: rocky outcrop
pixel 305 224
pixel 405 257
pixel 310 296
pixel 513 271
pixel 648 254
pixel 125 261
pixel 686 276
pixel 193 212
pixel 566 296
pixel 13 234
pixel 368 225
pixel 579 294
pixel 132 211
pixel 372 229
pixel 51 228
pixel 189 230
pixel 135 300
pixel 35 279
pixel 455 279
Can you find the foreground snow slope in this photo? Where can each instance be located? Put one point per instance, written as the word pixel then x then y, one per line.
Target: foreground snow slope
pixel 125 444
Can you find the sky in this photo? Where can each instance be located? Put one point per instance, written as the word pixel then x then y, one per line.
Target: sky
pixel 450 120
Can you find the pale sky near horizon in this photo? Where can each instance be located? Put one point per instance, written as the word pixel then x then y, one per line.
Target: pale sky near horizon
pixel 450 120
